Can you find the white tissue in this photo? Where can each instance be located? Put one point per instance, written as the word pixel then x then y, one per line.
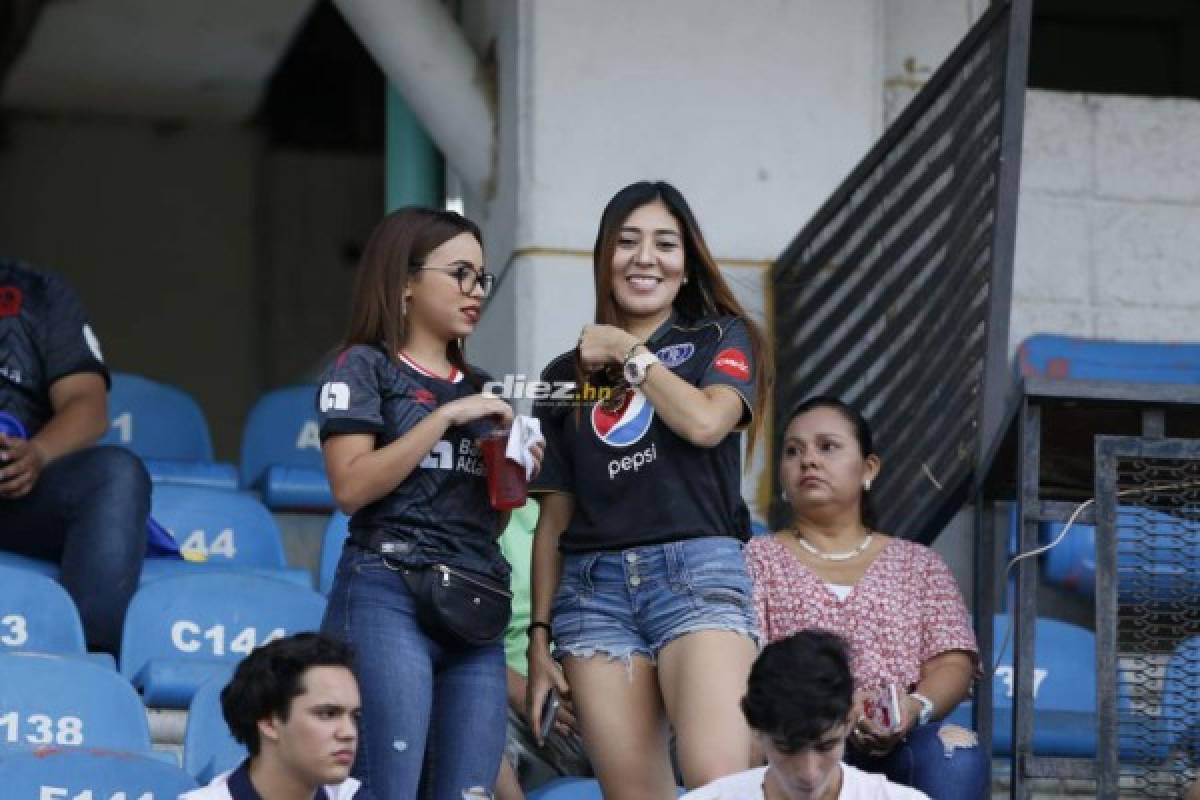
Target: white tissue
pixel 525 433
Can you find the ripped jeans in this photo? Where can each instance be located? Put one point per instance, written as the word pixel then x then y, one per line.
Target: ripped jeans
pixel 944 769
pixel 433 719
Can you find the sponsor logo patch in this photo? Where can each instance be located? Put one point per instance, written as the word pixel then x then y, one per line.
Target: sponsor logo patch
pixel 673 355
pixel 733 362
pixel 626 424
pixel 335 396
pixel 10 301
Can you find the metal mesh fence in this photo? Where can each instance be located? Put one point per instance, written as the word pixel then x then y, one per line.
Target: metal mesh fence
pixel 1158 624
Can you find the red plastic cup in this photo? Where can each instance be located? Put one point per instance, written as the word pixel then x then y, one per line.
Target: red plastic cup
pixel 506 483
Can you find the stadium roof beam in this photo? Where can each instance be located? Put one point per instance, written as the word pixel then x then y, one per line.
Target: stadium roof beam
pixel 427 58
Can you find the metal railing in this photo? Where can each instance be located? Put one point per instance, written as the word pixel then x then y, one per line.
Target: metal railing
pixel 895 297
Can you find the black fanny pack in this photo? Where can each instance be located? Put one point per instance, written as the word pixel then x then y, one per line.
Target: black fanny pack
pixel 456 607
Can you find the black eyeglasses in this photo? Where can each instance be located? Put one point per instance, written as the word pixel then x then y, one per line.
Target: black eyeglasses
pixel 468 277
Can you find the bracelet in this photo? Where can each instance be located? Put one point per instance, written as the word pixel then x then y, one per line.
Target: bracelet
pixel 535 625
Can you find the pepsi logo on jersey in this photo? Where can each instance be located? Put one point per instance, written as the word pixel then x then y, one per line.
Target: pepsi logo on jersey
pixel 627 423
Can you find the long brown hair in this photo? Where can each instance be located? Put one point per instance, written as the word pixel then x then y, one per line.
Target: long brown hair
pixel 399 244
pixel 705 294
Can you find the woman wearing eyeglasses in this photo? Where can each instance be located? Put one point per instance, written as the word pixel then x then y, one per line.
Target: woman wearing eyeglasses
pixel 400 412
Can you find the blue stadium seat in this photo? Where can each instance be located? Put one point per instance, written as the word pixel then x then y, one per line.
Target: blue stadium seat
pixel 208 747
pixel 60 701
pixel 331 549
pixel 568 789
pixel 281 451
pixel 13 561
pixel 164 426
pixel 62 774
pixel 183 630
pixel 1181 688
pixel 1143 534
pixel 572 789
pixel 37 614
pixel 1064 694
pixel 231 529
pixel 1053 356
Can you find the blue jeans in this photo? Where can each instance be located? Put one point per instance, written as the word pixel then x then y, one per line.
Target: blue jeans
pixel 923 762
pixel 88 513
pixel 637 601
pixel 433 722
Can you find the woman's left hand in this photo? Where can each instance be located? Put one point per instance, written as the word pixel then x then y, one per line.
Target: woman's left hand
pixel 601 345
pixel 871 739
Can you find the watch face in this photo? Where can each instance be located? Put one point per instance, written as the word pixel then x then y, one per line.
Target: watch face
pixel 632 373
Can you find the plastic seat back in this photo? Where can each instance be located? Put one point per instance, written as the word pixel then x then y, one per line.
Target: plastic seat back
pixel 155 420
pixel 65 774
pixel 331 549
pixel 1180 690
pixel 1053 356
pixel 62 701
pixel 208 747
pixel 181 631
pixel 281 450
pixel 1155 556
pixel 229 528
pixel 37 614
pixel 1064 680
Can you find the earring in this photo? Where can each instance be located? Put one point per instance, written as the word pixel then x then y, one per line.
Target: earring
pixel 783 494
pixel 867 485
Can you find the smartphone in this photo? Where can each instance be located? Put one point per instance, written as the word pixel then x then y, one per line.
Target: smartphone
pixel 883 708
pixel 549 713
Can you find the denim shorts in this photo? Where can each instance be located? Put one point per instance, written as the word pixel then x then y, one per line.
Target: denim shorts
pixel 637 601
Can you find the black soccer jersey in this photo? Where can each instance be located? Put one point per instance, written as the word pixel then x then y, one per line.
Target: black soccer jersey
pixel 635 481
pixel 440 512
pixel 44 336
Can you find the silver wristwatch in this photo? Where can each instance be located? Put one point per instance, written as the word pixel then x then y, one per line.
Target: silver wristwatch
pixel 926 713
pixel 636 367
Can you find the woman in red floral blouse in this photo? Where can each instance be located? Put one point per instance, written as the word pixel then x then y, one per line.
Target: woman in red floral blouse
pixel 893 600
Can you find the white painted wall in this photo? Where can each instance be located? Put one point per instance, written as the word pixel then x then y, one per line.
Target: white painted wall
pixel 1108 244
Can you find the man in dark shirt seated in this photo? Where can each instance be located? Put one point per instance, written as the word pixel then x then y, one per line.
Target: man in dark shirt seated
pixel 294 704
pixel 62 499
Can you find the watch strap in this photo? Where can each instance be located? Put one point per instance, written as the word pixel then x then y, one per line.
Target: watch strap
pixel 927 707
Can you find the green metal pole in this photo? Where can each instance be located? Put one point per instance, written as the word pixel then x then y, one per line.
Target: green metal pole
pixel 415 169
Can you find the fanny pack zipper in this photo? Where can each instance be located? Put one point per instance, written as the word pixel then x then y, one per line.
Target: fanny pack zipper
pixel 447 572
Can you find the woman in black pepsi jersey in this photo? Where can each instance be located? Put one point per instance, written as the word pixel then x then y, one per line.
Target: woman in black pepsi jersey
pixel 400 413
pixel 638 574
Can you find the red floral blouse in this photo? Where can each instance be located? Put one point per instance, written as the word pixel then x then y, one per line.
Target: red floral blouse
pixel 905 609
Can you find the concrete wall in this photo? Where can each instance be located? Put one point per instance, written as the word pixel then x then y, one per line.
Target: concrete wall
pixel 155 227
pixel 1107 240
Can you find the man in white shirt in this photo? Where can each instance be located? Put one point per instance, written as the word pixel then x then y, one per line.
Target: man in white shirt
pixel 800 705
pixel 294 704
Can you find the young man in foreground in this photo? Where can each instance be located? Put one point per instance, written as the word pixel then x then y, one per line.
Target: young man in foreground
pixel 800 705
pixel 294 704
